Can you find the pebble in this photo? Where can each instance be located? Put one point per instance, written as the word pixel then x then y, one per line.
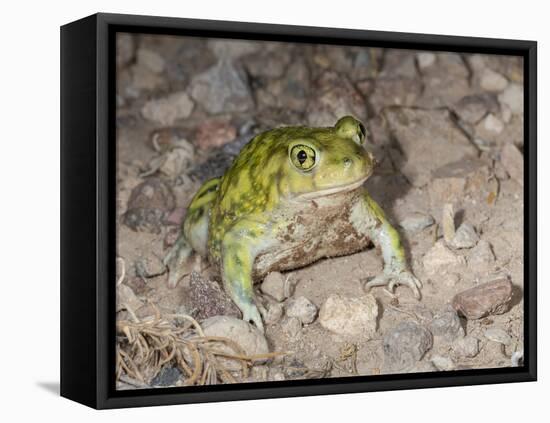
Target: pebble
pixel 425 59
pixel 350 315
pixel 168 376
pixel 291 326
pixel 301 308
pixel 274 312
pixel 167 110
pixel 441 259
pixel 415 222
pixel 151 60
pixel 492 124
pixel 465 237
pixel 149 203
pixel 405 345
pixel 274 286
pixel 423 367
pixel 233 49
pixel 214 133
pixel 222 88
pixel 492 297
pixel 247 336
pixel 512 97
pixel 481 256
pixel 498 335
pixel 443 363
pixel 125 49
pixel 447 325
pixel 492 81
pixel 512 160
pixel 466 347
pixel 472 108
pixel 207 299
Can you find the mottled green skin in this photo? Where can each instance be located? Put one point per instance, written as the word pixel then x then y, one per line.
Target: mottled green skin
pixel 266 213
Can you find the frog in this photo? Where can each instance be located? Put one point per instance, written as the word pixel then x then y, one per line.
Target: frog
pixel 292 196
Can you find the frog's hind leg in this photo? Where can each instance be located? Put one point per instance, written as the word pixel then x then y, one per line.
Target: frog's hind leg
pixel 194 236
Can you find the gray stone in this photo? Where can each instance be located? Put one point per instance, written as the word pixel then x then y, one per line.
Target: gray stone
pixel 168 376
pixel 302 308
pixel 447 325
pixel 498 335
pixel 350 315
pixel 405 345
pixel 222 89
pixel 512 160
pixel 472 108
pixel 167 110
pixel 513 98
pixel 440 259
pixel 425 59
pixel 247 336
pixel 273 313
pixel 443 363
pixel 150 59
pixel 492 297
pixel 125 49
pixel 274 286
pixel 395 92
pixel 149 203
pixel 481 256
pixel 233 49
pixel 465 237
pixel 207 299
pixel 415 222
pixel 492 81
pixel 423 367
pixel 466 347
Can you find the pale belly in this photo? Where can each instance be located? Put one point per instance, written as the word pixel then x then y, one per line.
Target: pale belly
pixel 330 226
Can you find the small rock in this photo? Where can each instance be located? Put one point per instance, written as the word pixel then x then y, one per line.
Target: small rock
pixel 150 59
pixel 481 256
pixel 513 98
pixel 222 88
pixel 448 222
pixel 466 347
pixel 168 110
pixel 207 299
pixel 489 298
pixel 149 203
pixel 443 363
pixel 350 315
pixel 291 326
pixel 441 259
pixel 247 336
pixel 405 345
pixel 125 298
pixel 492 124
pixel 233 49
pixel 214 133
pixel 492 81
pixel 389 92
pixel 425 59
pixel 465 237
pixel 423 367
pixel 301 308
pixel 274 313
pixel 512 160
pixel 415 222
pixel 472 108
pixel 498 335
pixel 447 324
pixel 168 376
pixel 274 286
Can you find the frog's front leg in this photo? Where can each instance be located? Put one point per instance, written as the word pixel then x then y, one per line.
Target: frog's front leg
pixel 238 252
pixel 384 235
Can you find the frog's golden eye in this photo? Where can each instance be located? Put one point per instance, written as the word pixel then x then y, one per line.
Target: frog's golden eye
pixel 303 157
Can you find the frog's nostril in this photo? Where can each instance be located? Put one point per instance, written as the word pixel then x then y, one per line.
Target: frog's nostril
pixel 347 162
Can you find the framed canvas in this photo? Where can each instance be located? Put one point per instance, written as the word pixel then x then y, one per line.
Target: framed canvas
pixel 257 211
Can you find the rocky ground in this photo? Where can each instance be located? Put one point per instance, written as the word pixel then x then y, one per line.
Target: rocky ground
pixel 447 130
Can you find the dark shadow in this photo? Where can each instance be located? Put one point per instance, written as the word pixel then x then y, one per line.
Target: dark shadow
pixel 51 387
pixel 459 218
pixel 517 296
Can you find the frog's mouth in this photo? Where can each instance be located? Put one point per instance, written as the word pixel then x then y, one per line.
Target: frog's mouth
pixel 332 190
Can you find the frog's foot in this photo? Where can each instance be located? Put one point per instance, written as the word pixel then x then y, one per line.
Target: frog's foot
pixel 251 314
pixel 177 261
pixel 394 278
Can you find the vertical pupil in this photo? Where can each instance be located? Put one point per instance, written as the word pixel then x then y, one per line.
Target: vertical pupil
pixel 302 156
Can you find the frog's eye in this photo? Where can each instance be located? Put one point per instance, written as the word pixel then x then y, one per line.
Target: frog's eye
pixel 303 157
pixel 351 128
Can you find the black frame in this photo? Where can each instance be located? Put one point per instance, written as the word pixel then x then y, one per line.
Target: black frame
pixel 87 210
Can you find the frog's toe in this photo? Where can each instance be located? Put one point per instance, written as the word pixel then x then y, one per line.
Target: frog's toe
pixel 251 314
pixel 177 262
pixel 406 278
